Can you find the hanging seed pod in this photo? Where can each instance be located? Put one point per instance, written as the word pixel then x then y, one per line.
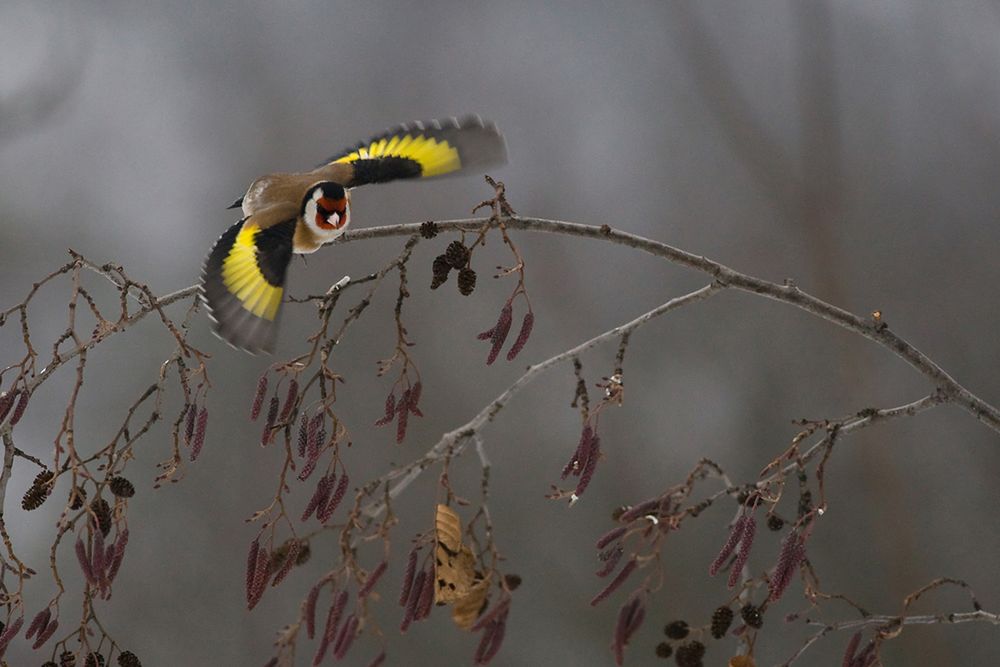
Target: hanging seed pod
pixel 751 616
pixel 77 497
pixel 440 269
pixel 466 281
pixel 456 254
pixel 102 512
pixel 305 553
pixel 676 630
pixel 121 487
pixel 38 492
pixel 128 659
pixel 722 618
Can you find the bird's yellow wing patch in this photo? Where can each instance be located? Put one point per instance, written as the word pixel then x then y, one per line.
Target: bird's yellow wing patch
pixel 433 157
pixel 243 280
pixel 425 150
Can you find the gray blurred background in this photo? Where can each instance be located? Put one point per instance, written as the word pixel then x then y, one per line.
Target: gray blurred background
pixel 853 146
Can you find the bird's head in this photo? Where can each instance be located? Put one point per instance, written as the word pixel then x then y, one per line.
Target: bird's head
pixel 326 210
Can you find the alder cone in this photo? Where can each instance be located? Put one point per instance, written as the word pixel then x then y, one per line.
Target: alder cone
pixel 466 281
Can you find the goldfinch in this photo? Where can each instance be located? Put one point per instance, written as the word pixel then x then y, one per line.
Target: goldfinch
pixel 243 279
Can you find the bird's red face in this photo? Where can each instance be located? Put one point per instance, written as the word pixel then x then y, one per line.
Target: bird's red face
pixel 331 213
pixel 326 211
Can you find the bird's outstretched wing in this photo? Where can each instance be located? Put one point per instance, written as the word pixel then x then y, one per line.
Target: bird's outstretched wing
pixel 243 281
pixel 423 150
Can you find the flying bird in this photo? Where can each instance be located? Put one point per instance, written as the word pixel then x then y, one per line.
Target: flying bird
pixel 243 279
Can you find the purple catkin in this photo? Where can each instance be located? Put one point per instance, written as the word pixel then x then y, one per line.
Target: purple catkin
pixel 615 583
pixel 609 552
pixel 81 557
pixel 119 554
pixel 611 563
pixel 316 424
pixel 378 660
pixel 500 331
pixel 309 611
pixel 411 569
pixel 484 643
pixel 46 634
pixel 610 536
pixel 575 464
pixel 642 509
pixel 6 401
pixel 38 623
pixel 272 417
pixel 630 617
pixel 97 562
pixel 252 567
pixel 588 469
pixel 333 616
pixel 852 647
pixel 286 566
pixel 192 412
pixel 10 633
pixel 258 398
pixel 415 392
pixel 319 496
pixel 499 610
pixel 321 651
pixel 411 602
pixel 308 468
pixel 792 553
pixel 372 579
pixel 496 635
pixel 199 433
pixel 346 637
pixel 426 600
pixel 727 549
pixel 390 410
pixel 522 336
pixel 303 435
pixel 743 555
pixel 402 416
pixel 325 512
pixel 22 404
pixel 867 657
pixel 260 578
pixel 293 393
pixel 486 335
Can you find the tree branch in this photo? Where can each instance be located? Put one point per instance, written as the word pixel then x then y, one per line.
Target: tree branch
pixel 871 328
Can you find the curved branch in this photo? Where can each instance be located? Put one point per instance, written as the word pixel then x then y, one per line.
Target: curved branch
pixel 871 328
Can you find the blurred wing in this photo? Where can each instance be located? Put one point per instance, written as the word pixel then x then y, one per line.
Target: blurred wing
pixel 425 150
pixel 242 283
